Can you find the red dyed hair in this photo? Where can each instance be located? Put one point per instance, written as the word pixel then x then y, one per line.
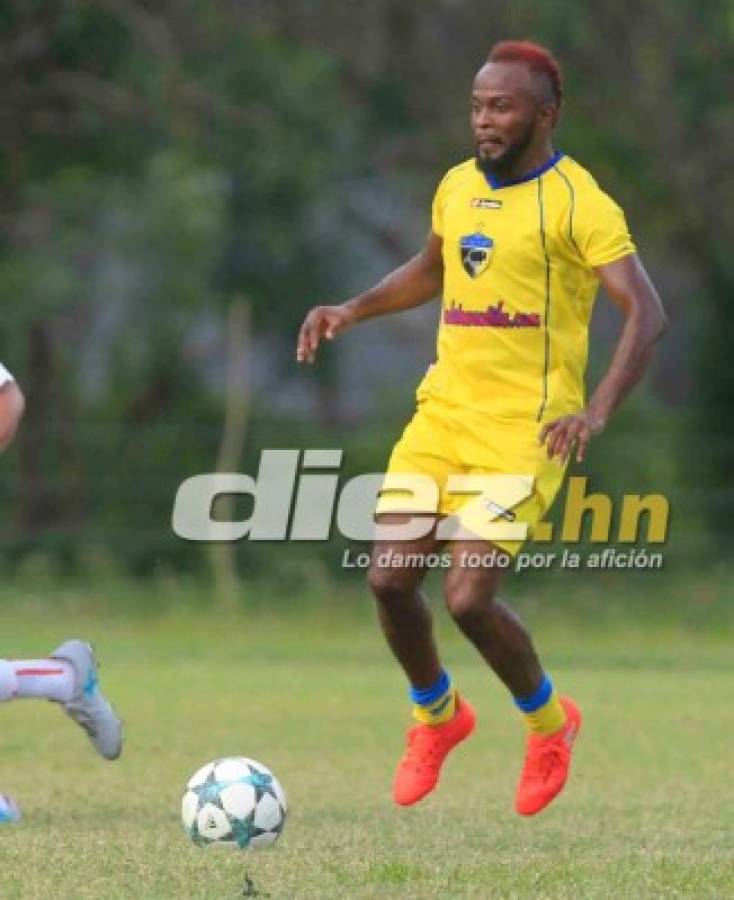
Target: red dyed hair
pixel 538 59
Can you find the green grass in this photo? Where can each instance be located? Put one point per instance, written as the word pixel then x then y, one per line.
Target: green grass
pixel 649 810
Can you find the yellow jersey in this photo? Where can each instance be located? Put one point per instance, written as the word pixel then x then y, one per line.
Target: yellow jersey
pixel 519 286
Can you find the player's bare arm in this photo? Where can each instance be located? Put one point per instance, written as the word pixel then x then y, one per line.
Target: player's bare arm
pixel 629 286
pixel 412 284
pixel 12 406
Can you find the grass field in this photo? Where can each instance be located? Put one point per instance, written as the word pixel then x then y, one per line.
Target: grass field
pixel 311 692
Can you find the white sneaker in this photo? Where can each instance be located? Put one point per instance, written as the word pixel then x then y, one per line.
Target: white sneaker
pixel 9 811
pixel 88 707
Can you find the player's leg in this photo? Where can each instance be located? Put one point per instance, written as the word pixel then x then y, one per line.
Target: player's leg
pixel 496 631
pixel 69 676
pixel 9 811
pixel 12 405
pixel 504 642
pixel 402 609
pixel 45 679
pixel 443 718
pixel 425 452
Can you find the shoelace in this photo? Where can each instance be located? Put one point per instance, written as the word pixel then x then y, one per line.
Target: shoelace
pixel 540 763
pixel 421 744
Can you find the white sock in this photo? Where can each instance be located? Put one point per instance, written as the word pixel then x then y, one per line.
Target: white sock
pixel 52 679
pixel 8 681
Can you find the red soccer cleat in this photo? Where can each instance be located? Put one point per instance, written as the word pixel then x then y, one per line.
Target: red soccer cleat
pixel 547 761
pixel 428 746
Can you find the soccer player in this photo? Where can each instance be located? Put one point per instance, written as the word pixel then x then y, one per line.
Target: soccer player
pixel 521 237
pixel 69 675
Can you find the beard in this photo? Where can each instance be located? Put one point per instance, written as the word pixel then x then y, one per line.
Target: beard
pixel 502 166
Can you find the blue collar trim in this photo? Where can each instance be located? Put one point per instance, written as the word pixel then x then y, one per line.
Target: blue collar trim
pixel 496 184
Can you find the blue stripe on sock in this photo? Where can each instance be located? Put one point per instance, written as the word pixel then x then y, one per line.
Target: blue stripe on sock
pixel 426 696
pixel 538 699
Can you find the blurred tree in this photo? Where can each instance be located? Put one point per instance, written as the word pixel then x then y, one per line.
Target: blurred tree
pixel 156 159
pixel 160 157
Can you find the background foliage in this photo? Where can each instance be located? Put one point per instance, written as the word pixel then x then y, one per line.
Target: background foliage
pixel 162 160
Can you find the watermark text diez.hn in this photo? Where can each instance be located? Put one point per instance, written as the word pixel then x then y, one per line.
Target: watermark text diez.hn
pixel 299 496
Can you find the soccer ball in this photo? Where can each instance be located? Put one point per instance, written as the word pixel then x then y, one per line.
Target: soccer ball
pixel 233 802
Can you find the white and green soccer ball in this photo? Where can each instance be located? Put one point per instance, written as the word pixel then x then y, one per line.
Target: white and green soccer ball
pixel 233 802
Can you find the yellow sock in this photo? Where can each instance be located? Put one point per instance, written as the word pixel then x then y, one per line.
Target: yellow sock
pixel 436 704
pixel 439 712
pixel 542 711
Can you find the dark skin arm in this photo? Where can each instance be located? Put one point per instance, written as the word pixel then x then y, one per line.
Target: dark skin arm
pixel 629 286
pixel 412 284
pixel 12 405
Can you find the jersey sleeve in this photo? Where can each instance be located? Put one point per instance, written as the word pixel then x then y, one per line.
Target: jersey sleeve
pixel 600 230
pixel 439 200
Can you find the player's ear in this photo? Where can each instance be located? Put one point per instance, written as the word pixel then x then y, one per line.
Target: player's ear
pixel 548 115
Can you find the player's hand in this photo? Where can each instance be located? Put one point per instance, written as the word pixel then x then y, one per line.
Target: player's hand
pixel 561 436
pixel 321 322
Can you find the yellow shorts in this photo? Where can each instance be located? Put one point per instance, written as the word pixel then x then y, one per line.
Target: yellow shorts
pixel 512 483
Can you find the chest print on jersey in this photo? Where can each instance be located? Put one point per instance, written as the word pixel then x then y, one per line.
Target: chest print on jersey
pixel 492 317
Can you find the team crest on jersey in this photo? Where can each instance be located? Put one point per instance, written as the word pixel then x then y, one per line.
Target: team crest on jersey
pixel 476 253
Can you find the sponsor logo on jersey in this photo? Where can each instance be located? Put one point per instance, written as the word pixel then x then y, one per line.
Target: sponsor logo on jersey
pixel 485 203
pixel 492 317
